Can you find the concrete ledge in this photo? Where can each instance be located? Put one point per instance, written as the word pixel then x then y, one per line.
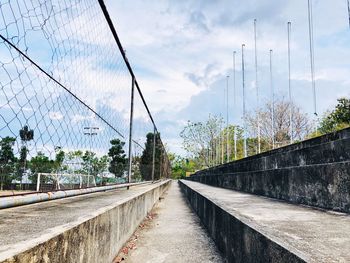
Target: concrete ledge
pixel 314 172
pixel 95 236
pixel 249 228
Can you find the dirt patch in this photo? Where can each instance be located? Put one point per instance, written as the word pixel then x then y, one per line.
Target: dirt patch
pixel 131 244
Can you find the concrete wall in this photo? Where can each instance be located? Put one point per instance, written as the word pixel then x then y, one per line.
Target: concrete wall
pixel 236 241
pixel 315 172
pixel 96 239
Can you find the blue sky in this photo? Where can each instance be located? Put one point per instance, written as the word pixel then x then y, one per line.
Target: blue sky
pixel 181 52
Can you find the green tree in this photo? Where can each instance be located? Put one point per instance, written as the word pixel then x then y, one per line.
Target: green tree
pixel 60 156
pixel 199 138
pixel 7 161
pixel 40 164
pixel 337 119
pixel 118 160
pixel 74 162
pixel 146 162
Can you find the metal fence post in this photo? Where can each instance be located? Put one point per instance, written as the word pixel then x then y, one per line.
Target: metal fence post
pixel 154 152
pixel 38 182
pixel 130 128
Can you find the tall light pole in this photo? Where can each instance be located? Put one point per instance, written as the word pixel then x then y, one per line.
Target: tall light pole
pixel 312 55
pixel 273 103
pixel 227 125
pixel 221 143
pixel 257 86
pixel 234 102
pixel 90 131
pixel 289 27
pixel 244 109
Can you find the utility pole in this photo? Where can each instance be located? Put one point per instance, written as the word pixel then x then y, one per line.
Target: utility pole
pixel 257 87
pixel 234 102
pixel 90 131
pixel 273 103
pixel 289 26
pixel 244 109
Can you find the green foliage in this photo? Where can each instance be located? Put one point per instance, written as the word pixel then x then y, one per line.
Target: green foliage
pixel 146 161
pixel 94 165
pixel 118 160
pixel 180 166
pixel 7 161
pixel 337 119
pixel 40 164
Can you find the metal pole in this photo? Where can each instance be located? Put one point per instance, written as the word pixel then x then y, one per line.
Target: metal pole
pixel 227 125
pixel 160 163
pixel 312 55
pixel 234 102
pixel 130 128
pixel 257 88
pixel 273 103
pixel 154 152
pixel 221 145
pixel 289 26
pixel 244 110
pixel 349 11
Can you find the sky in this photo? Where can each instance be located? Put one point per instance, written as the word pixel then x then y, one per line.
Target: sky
pixel 182 51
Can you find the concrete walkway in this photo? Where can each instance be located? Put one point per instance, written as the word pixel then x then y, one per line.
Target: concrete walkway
pixel 175 235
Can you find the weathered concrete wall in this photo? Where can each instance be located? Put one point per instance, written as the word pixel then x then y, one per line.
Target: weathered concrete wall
pixel 237 241
pixel 96 239
pixel 315 172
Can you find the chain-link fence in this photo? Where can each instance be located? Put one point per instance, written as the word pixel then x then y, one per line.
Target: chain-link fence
pixel 69 101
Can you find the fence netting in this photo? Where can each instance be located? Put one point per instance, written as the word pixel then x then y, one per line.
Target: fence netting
pixel 65 100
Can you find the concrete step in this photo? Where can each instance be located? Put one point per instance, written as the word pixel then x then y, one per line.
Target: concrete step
pixel 325 185
pixel 249 228
pixel 327 152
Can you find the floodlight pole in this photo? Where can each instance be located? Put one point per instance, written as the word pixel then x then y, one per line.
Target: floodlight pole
pixel 273 102
pixel 289 27
pixel 234 102
pixel 227 125
pixel 244 106
pixel 312 57
pixel 257 87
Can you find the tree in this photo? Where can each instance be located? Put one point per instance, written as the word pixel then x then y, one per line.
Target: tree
pixel 73 161
pixel 94 165
pixel 146 162
pixel 199 137
pixel 118 160
pixel 60 156
pixel 181 166
pixel 337 119
pixel 40 164
pixel 7 160
pixel 280 133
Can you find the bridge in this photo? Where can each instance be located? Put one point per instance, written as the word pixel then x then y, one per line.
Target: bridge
pixel 86 175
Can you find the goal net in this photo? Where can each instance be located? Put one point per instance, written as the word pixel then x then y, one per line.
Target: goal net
pixel 58 181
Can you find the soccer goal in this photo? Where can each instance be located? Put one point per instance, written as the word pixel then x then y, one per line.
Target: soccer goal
pixel 57 181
